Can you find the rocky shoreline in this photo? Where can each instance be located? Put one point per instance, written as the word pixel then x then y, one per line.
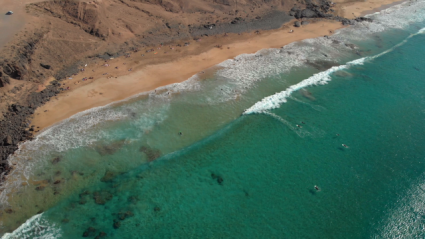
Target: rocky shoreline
pixel 25 61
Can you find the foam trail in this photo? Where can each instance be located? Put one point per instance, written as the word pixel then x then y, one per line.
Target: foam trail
pixel 302 133
pixel 321 78
pixel 35 227
pixel 315 107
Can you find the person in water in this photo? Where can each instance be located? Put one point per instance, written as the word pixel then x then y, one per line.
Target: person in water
pixel 345 145
pixel 316 187
pixel 180 133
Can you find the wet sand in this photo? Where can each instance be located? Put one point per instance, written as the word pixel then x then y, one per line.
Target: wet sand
pixel 181 63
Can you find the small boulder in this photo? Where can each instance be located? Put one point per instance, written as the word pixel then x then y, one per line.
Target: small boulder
pixel 308 13
pixel 304 23
pixel 297 24
pixel 45 66
pixel 8 140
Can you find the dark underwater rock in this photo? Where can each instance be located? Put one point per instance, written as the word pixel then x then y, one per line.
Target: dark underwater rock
pixel 150 153
pixel 89 232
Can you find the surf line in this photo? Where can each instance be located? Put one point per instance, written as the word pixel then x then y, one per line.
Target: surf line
pixel 321 78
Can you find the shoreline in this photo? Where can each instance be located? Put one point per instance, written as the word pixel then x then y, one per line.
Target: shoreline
pixel 107 90
pixel 149 76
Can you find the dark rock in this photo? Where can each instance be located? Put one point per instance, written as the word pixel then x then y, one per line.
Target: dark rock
pixel 56 160
pixel 8 140
pixel 108 176
pixel 4 79
pixel 218 178
pixel 352 46
pixel 363 19
pixel 45 66
pixel 102 197
pixel 297 24
pixel 117 224
pixel 90 232
pixel 124 215
pixel 151 153
pixel 101 235
pixel 110 148
pixel 308 13
pixel 132 199
pixel 346 22
pixel 304 23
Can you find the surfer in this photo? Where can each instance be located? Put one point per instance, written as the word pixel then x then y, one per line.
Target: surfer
pixel 345 146
pixel 299 126
pixel 316 187
pixel 180 133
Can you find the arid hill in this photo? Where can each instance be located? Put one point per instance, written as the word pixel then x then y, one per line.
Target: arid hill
pixel 64 33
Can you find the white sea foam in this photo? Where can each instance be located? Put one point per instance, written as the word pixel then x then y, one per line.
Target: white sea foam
pixel 321 78
pixel 82 129
pixel 237 76
pixel 35 228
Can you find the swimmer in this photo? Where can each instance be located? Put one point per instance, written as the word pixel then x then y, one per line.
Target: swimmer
pixel 337 135
pixel 302 122
pixel 345 146
pixel 180 133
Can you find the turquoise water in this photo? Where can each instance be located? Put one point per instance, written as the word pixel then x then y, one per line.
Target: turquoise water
pixel 252 175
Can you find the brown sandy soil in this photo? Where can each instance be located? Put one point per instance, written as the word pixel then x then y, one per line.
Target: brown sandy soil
pixel 182 63
pixel 166 66
pixel 60 33
pixel 352 9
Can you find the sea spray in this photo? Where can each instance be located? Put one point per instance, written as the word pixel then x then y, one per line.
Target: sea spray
pixel 35 227
pixel 321 78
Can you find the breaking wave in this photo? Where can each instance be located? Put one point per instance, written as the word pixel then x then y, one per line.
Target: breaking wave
pixel 321 78
pixel 35 227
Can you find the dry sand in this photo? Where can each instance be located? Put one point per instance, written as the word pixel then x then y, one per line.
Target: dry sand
pixel 182 63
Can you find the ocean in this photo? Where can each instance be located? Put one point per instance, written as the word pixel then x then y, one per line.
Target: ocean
pixel 322 138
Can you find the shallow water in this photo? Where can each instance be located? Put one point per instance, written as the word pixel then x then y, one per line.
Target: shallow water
pixel 125 170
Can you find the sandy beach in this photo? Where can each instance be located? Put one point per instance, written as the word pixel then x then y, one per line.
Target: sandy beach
pixel 120 78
